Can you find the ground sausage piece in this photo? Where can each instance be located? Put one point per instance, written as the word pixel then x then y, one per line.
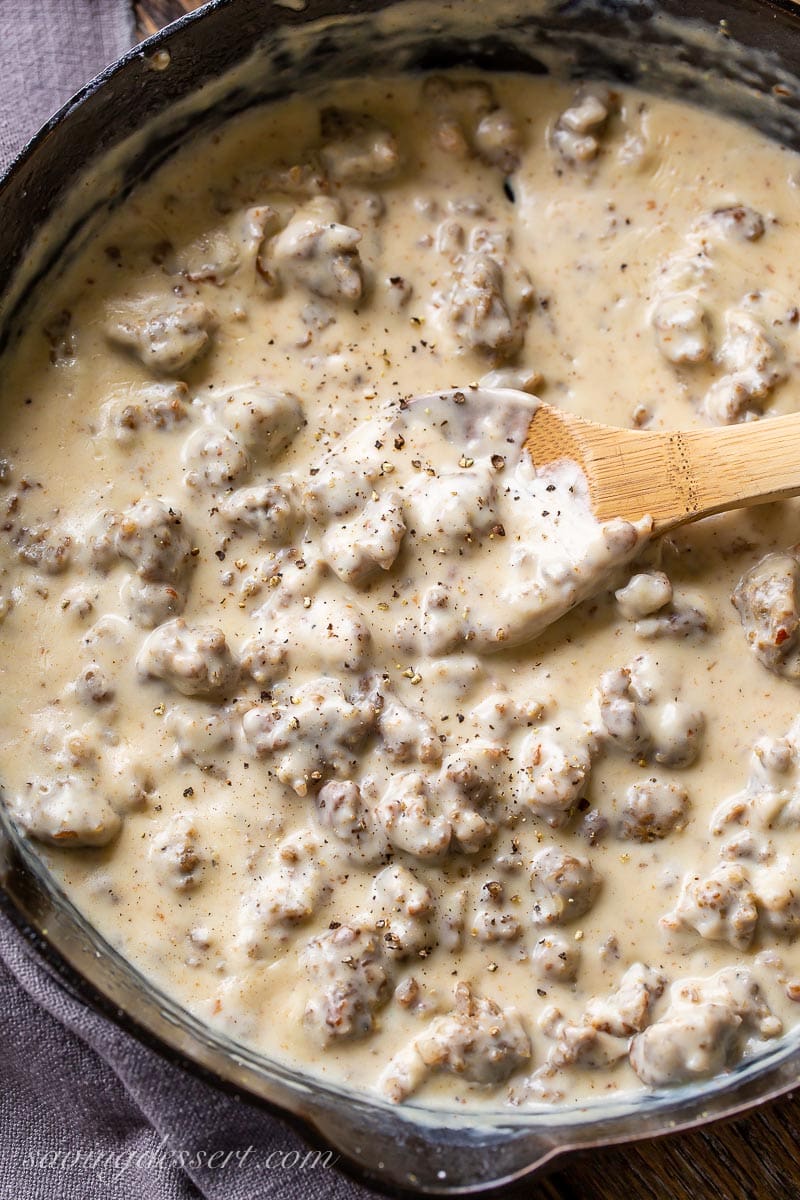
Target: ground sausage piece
pixel 453 507
pixel 409 819
pixel 152 602
pixel 478 1040
pixel 469 121
pixel 407 735
pixel 577 132
pixel 349 978
pixel 213 459
pixel 43 548
pixel 685 617
pixel 467 786
pixel 740 221
pixel 290 891
pixel 357 148
pixel 402 908
pixel 153 536
pixel 498 713
pixel 363 547
pixel 628 1010
pixel 177 854
pixel 270 510
pixel 553 775
pixel 166 333
pixel 771 799
pixel 212 258
pixel 129 780
pixel 342 810
pixel 677 732
pixel 316 252
pixel 493 920
pixel 203 737
pixel 652 809
pixel 428 817
pixel 682 331
pixel 755 365
pixel 599 1039
pixel 633 720
pixel 194 659
pixel 564 887
pixel 689 1043
pixel 775 762
pixel 318 734
pixel 721 907
pixel 443 627
pixel 620 712
pixel 703 1030
pixel 160 406
pixel 766 598
pixel 496 140
pixel 767 802
pixel 328 635
pixel 778 899
pixel 67 811
pixel 644 594
pixel 478 309
pixel 338 489
pixel 93 686
pixel 265 421
pixel 556 958
pixel 581 1046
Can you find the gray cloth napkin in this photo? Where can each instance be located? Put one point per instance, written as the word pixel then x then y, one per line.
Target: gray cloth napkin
pixel 48 50
pixel 86 1112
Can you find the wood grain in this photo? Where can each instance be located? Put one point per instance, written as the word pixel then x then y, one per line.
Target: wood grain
pixel 753 1158
pixel 673 476
pixel 152 15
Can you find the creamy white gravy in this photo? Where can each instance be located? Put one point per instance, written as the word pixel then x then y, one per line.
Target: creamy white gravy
pixel 280 705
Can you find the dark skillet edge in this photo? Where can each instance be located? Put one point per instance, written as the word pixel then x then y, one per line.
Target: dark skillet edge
pixel 29 921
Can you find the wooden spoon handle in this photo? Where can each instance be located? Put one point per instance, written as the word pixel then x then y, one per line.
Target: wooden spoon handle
pixel 682 475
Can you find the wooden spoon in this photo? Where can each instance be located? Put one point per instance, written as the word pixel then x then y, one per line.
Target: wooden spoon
pixel 674 476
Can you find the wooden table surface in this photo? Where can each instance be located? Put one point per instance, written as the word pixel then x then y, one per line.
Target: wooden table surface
pixel 754 1158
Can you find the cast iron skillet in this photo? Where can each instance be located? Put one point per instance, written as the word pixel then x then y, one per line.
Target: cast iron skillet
pixel 749 47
